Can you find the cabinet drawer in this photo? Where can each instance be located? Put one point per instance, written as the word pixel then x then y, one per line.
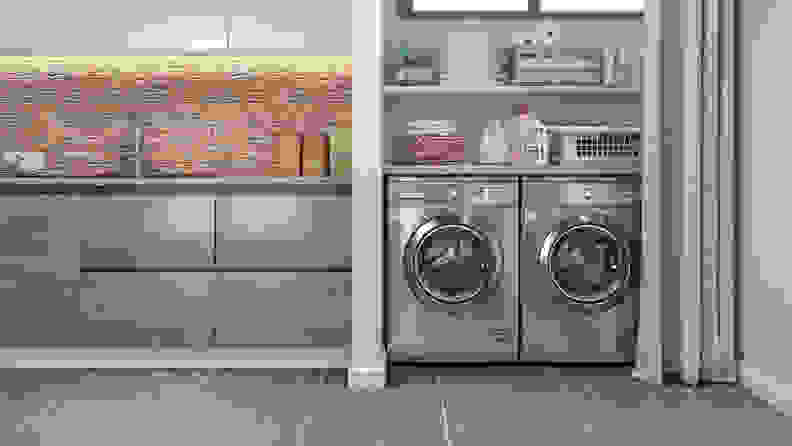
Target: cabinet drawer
pixel 36 236
pixel 145 230
pixel 93 309
pixel 300 230
pixel 175 309
pixel 306 308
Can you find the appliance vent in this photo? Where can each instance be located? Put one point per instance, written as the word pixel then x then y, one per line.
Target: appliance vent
pixel 605 146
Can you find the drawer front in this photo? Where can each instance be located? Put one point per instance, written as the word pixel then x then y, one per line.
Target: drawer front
pixel 36 236
pixel 176 309
pixel 284 230
pixel 307 308
pixel 99 309
pixel 145 230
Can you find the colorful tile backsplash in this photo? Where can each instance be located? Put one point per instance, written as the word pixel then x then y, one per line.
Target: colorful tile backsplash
pixel 174 123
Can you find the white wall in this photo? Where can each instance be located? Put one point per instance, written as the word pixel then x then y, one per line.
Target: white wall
pixel 765 285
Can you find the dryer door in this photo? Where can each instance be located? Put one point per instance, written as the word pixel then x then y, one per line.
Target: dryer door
pixel 450 262
pixel 589 262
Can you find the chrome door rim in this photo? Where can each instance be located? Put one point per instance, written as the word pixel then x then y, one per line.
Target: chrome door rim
pixel 412 262
pixel 548 252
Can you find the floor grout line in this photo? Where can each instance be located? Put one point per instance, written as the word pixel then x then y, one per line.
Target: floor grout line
pixel 444 421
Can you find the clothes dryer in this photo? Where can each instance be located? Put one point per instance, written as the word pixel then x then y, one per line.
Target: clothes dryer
pixel 580 269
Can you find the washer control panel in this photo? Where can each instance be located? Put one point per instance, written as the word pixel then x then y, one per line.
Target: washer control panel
pixel 599 193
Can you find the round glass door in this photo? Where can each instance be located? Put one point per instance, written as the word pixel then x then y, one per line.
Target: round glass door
pixel 452 263
pixel 588 263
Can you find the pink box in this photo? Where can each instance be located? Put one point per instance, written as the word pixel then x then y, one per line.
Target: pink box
pixel 438 148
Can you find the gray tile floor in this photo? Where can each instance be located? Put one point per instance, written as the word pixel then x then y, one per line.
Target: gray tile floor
pixel 496 406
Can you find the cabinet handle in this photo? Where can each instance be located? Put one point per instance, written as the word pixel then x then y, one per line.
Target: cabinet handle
pixel 213 231
pixel 138 143
pixel 348 287
pixel 528 218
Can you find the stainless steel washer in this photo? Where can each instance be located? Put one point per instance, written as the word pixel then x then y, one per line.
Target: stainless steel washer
pixel 451 262
pixel 579 269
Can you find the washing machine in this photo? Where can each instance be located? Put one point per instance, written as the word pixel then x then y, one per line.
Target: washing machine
pixel 579 269
pixel 451 269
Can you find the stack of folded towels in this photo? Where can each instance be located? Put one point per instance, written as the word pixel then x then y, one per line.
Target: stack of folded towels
pixel 435 141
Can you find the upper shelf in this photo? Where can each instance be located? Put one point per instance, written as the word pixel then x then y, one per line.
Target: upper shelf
pixel 500 170
pixel 509 90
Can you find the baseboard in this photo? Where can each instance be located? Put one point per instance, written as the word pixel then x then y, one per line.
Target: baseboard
pixel 767 388
pixel 174 358
pixel 366 379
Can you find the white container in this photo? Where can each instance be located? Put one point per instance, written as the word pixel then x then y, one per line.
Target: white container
pixel 528 142
pixel 494 148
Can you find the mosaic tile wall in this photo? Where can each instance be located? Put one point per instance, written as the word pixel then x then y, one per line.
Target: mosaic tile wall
pixel 173 124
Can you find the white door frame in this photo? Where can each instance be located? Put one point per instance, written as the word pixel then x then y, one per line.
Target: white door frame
pixel 649 358
pixel 718 303
pixel 707 266
pixel 367 369
pixel 690 260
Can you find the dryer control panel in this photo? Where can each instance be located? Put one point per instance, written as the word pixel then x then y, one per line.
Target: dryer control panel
pixel 600 193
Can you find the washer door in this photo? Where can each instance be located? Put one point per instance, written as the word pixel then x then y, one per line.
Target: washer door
pixel 449 262
pixel 588 262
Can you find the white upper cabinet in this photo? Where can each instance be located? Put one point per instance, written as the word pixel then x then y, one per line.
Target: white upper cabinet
pixel 249 32
pixel 591 6
pixel 294 28
pixel 97 28
pixel 180 32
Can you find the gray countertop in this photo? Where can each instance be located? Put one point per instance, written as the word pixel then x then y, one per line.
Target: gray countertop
pixel 332 185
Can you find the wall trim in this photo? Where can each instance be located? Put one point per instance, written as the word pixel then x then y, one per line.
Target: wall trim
pixel 767 388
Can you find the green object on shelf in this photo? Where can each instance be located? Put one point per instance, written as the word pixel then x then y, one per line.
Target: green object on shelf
pixel 341 152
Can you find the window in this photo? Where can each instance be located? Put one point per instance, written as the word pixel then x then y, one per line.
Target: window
pixel 521 7
pixel 591 6
pixel 420 6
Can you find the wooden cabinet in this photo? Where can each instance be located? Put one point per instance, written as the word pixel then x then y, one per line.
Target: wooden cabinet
pixel 298 230
pixel 144 230
pixel 49 301
pixel 40 279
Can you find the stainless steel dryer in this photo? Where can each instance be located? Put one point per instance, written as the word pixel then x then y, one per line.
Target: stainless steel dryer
pixel 579 269
pixel 451 262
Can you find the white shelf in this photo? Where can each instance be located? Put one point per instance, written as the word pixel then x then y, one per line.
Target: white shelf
pixel 495 170
pixel 394 90
pixel 174 358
